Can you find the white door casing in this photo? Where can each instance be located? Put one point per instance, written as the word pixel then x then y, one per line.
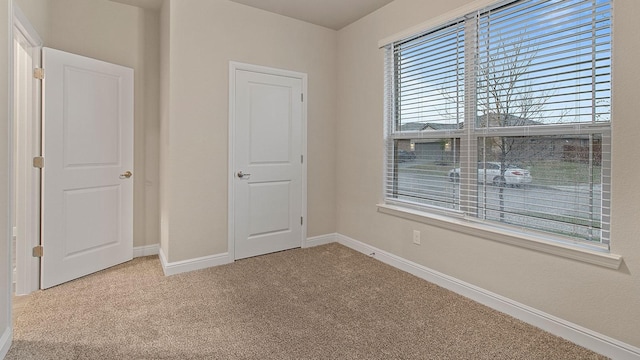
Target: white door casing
pixel 27 98
pixel 267 197
pixel 87 203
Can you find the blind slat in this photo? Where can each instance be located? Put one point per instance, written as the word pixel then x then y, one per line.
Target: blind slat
pixel 537 153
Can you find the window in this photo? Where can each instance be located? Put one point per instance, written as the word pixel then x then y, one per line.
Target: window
pixel 503 116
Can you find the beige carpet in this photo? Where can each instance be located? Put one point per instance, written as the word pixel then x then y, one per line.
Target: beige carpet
pixel 327 302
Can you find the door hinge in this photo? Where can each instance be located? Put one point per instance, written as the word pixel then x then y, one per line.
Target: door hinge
pixel 38 162
pixel 301 220
pixel 301 159
pixel 38 251
pixel 301 97
pixel 38 73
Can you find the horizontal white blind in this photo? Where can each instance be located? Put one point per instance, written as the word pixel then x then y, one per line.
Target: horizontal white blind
pixel 429 75
pixel 428 89
pixel 545 62
pixel 549 183
pixel 530 148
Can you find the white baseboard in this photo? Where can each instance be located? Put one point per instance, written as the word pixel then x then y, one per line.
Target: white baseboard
pixel 148 250
pixel 589 339
pixel 212 260
pixel 5 342
pixel 320 240
pixel 204 262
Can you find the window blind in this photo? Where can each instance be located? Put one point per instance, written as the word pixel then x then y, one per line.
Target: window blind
pixel 504 115
pixel 545 62
pixel 426 94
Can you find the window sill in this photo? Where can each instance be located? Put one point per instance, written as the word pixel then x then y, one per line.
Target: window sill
pixel 591 256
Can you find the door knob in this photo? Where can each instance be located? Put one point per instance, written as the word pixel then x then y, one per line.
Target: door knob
pixel 241 174
pixel 127 174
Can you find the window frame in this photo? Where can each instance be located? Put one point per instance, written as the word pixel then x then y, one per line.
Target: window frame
pixel 461 216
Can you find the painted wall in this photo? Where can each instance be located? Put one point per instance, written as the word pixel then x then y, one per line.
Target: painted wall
pixel 165 74
pixel 128 36
pixel 5 272
pixel 204 36
pixel 151 129
pixel 37 11
pixel 604 300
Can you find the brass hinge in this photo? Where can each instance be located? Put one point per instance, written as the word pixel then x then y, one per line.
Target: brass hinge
pixel 38 162
pixel 38 73
pixel 38 251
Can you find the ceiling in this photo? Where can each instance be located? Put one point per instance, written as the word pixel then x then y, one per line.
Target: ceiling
pixel 145 4
pixel 333 14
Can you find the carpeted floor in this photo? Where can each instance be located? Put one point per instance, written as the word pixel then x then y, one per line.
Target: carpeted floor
pixel 327 302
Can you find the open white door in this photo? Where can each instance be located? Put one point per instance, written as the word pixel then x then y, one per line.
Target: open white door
pixel 267 152
pixel 87 188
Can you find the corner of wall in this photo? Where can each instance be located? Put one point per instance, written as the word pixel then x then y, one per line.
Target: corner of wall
pixel 178 267
pixel 5 342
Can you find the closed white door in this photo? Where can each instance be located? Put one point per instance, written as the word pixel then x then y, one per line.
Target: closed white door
pixel 87 191
pixel 267 162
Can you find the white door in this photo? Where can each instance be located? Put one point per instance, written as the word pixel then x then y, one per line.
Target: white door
pixel 267 162
pixel 87 191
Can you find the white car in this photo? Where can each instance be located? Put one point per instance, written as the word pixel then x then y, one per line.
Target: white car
pixel 490 172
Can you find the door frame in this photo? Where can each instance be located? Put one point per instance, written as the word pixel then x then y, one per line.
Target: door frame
pixel 233 68
pixel 26 145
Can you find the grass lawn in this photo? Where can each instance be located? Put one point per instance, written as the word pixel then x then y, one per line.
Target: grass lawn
pixel 431 167
pixel 563 173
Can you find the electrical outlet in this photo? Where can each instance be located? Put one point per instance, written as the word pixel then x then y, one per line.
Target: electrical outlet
pixel 416 237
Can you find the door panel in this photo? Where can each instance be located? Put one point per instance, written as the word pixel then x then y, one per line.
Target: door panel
pixel 267 148
pixel 90 136
pixel 87 208
pixel 94 231
pixel 278 218
pixel 269 123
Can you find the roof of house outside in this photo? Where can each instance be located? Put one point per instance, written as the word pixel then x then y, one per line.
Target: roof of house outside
pixel 494 120
pixel 498 120
pixel 420 126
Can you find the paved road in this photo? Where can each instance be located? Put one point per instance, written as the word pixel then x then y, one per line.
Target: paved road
pixel 541 207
